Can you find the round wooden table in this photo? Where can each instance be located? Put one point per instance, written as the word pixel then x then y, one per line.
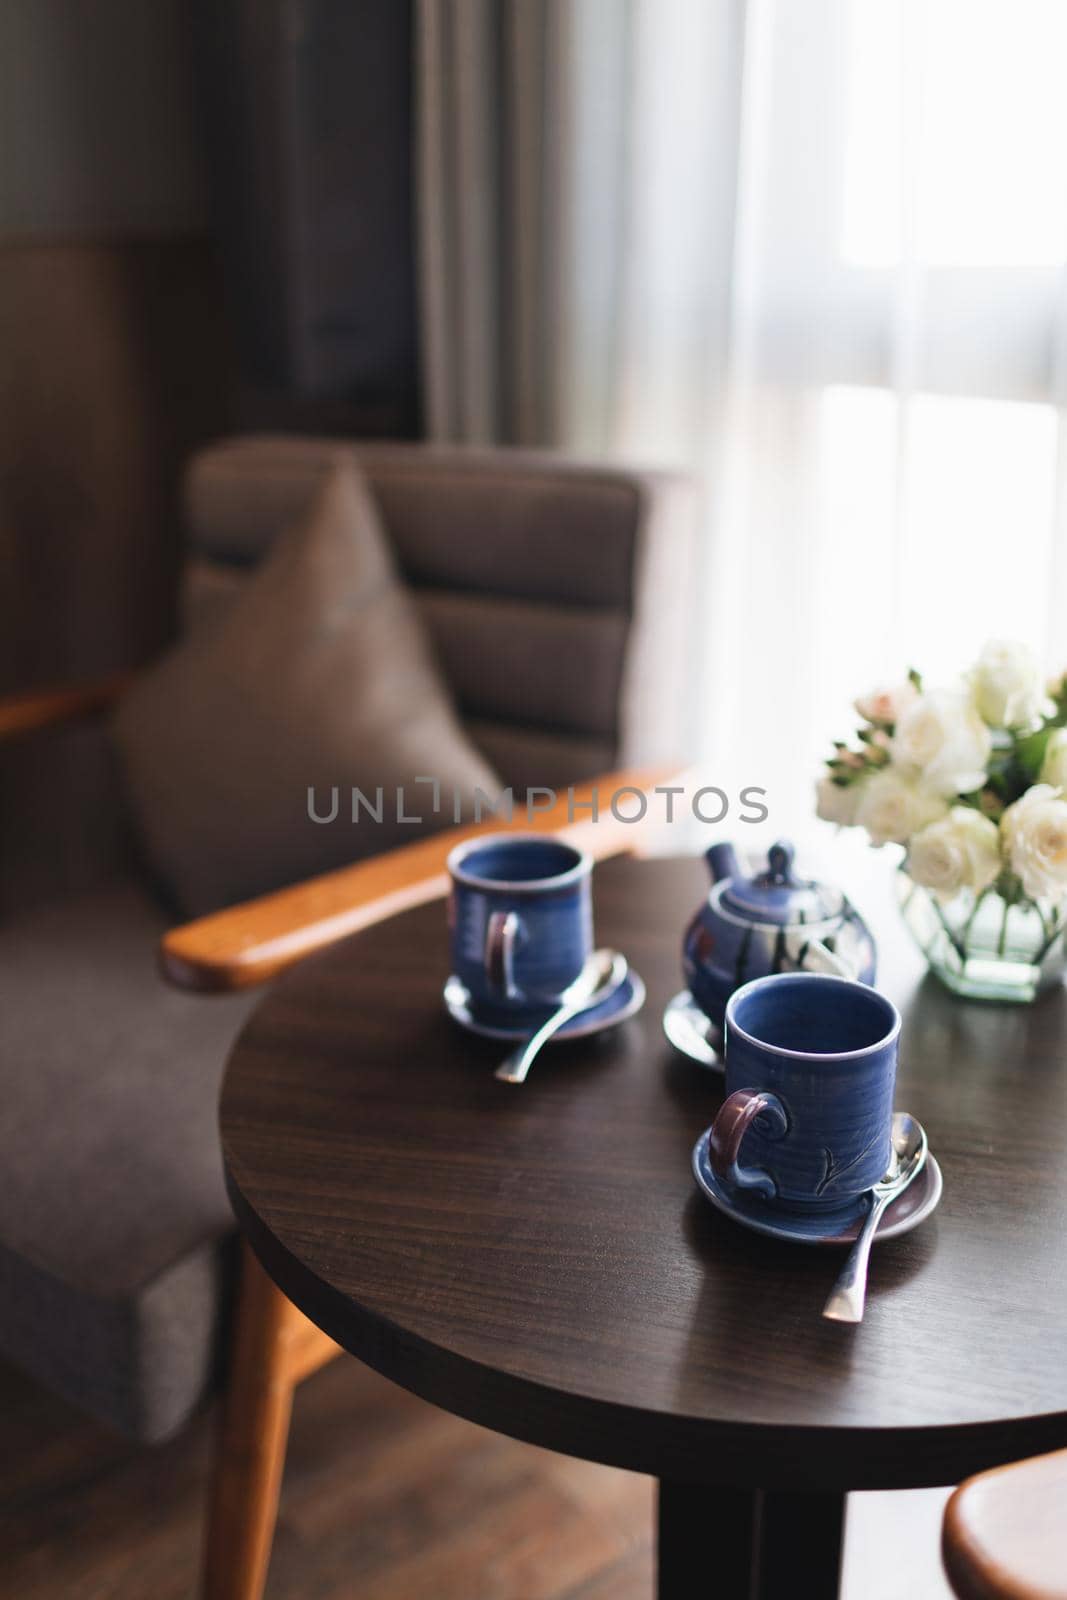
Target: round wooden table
pixel 539 1260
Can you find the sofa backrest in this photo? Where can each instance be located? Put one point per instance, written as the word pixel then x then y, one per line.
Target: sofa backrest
pixel 557 595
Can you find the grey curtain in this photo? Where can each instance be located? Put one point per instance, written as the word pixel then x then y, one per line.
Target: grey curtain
pixel 518 194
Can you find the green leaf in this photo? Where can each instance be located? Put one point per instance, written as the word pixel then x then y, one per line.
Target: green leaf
pixel 1030 752
pixel 1059 700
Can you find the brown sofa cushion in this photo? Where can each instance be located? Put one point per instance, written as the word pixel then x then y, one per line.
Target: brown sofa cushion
pixel 320 675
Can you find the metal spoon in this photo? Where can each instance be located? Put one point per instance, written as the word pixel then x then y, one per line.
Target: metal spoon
pixel 849 1292
pixel 603 973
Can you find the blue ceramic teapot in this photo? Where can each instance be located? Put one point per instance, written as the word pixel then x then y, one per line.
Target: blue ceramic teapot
pixel 772 922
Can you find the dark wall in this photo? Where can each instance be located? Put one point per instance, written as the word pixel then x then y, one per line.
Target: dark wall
pixel 112 340
pixel 112 373
pixel 205 225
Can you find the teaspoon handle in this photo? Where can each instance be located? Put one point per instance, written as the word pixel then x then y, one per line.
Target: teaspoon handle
pixel 849 1293
pixel 513 1068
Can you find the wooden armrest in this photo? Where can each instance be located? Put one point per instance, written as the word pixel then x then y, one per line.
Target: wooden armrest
pixel 1005 1533
pixel 247 944
pixel 47 708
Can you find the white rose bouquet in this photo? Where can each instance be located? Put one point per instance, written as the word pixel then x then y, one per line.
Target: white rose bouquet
pixel 972 781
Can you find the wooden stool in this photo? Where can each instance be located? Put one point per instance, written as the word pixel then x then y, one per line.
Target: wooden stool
pixel 1005 1532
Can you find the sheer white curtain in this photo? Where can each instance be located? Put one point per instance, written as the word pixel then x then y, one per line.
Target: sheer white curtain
pixel 815 253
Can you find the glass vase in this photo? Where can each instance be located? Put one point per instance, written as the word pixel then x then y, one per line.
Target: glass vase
pixel 984 946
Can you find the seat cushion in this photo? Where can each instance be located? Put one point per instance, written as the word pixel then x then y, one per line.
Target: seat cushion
pixel 319 680
pixel 115 1231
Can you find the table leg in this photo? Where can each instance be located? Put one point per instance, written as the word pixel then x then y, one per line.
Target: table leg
pixel 706 1542
pixel 800 1541
pixel 740 1544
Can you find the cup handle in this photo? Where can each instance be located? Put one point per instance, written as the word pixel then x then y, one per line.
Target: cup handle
pixel 811 955
pixel 501 935
pixel 735 1116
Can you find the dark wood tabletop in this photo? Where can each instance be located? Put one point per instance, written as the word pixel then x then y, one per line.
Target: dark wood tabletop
pixel 538 1259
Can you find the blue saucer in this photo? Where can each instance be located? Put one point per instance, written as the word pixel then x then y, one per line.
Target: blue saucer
pixel 839 1226
pixel 627 1000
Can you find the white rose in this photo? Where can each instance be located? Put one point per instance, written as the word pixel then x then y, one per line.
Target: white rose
pixel 1054 768
pixel 1034 831
pixel 1006 684
pixel 944 739
pixel 837 802
pixel 962 851
pixel 892 807
pixel 886 706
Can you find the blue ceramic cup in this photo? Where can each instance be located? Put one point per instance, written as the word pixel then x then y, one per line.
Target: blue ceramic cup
pixel 811 1064
pixel 520 920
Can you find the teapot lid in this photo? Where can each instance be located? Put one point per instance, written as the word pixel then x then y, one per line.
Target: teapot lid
pixel 777 895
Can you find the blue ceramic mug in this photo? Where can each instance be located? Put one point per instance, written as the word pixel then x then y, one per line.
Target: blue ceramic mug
pixel 520 919
pixel 811 1064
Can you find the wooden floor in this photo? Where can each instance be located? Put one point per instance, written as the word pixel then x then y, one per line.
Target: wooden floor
pixel 385 1498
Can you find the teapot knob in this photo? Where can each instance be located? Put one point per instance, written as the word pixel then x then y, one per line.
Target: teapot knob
pixel 780 863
